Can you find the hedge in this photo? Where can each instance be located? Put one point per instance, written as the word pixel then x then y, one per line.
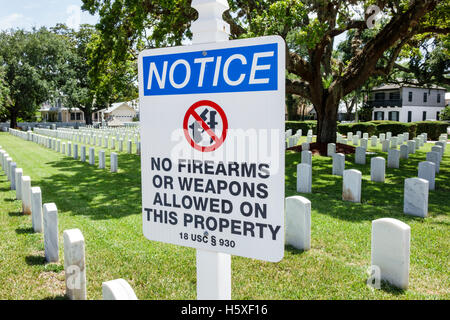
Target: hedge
pixel 396 128
pixel 432 128
pixel 368 127
pixel 304 125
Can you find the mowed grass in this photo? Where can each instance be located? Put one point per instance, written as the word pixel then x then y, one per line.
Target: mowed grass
pixel 106 207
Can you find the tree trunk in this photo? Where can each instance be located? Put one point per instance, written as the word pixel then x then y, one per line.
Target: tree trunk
pixel 88 117
pixel 326 123
pixel 13 122
pixel 291 107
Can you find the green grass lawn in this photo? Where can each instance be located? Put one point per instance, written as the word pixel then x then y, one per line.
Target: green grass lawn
pixel 106 207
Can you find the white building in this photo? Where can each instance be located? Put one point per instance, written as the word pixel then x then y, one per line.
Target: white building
pixel 117 113
pixel 406 103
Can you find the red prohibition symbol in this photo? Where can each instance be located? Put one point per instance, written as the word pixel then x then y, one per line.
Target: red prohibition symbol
pixel 201 123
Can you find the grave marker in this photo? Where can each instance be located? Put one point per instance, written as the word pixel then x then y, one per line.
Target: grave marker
pixel 351 185
pixel 416 197
pixel 298 222
pixel 304 177
pixel 51 245
pixel 75 264
pixel 391 250
pixel 36 210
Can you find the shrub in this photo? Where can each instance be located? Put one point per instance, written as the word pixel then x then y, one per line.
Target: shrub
pixel 368 127
pixel 396 128
pixel 304 125
pixel 445 114
pixel 433 129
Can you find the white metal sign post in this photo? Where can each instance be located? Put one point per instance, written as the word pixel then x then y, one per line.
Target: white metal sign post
pixel 212 132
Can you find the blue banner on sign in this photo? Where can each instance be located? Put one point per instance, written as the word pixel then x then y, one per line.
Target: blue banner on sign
pixel 238 69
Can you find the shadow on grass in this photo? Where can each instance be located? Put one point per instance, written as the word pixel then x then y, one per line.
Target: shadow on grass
pixel 16 214
pixel 388 288
pixel 24 230
pixel 86 190
pixel 35 260
pixel 378 200
pixel 293 250
pixel 58 297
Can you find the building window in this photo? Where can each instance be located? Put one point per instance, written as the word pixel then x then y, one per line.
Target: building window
pixel 379 96
pixel 409 116
pixel 438 98
pixel 72 116
pixel 437 115
pixel 425 97
pixel 394 95
pixel 379 115
pixel 424 115
pixel 393 115
pixel 410 96
pixel 78 116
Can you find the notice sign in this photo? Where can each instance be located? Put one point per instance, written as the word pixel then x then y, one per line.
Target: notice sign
pixel 212 146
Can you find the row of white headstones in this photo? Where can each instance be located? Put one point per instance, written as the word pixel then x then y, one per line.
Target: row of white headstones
pixel 95 137
pixel 111 138
pixel 44 219
pixel 71 149
pixel 390 249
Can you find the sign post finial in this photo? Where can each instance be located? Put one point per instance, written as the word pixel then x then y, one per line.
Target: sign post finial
pixel 210 27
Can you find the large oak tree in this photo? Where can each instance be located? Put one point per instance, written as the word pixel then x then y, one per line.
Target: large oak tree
pixel 309 28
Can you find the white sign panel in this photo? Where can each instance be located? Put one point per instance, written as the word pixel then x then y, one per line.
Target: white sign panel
pixel 212 146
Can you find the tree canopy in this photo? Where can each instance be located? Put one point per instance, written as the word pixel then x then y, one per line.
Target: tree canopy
pixel 44 65
pixel 31 70
pixel 309 27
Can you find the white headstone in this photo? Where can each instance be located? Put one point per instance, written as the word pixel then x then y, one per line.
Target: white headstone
pixel 129 146
pixel 393 158
pixel 373 141
pixel 304 177
pixel 351 185
pixel 439 150
pixel 377 169
pixel 385 145
pixel 298 222
pixel 416 197
pixel 391 250
pixel 360 155
pixel 404 153
pixel 305 146
pixel 26 195
pixel 113 161
pixel 101 159
pixel 91 155
pixel 427 171
pixel 83 154
pixel 36 210
pixel 338 164
pixel 306 157
pixel 118 289
pixel 12 175
pixel 433 156
pixel 411 146
pixel 51 245
pixel 18 173
pixel 74 264
pixel 75 151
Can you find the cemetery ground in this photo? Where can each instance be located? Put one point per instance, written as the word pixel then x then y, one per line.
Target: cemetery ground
pixel 106 207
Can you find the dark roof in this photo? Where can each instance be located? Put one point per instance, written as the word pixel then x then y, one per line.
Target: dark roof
pixel 393 86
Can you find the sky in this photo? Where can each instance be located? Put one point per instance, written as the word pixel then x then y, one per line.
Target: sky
pixel 26 14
